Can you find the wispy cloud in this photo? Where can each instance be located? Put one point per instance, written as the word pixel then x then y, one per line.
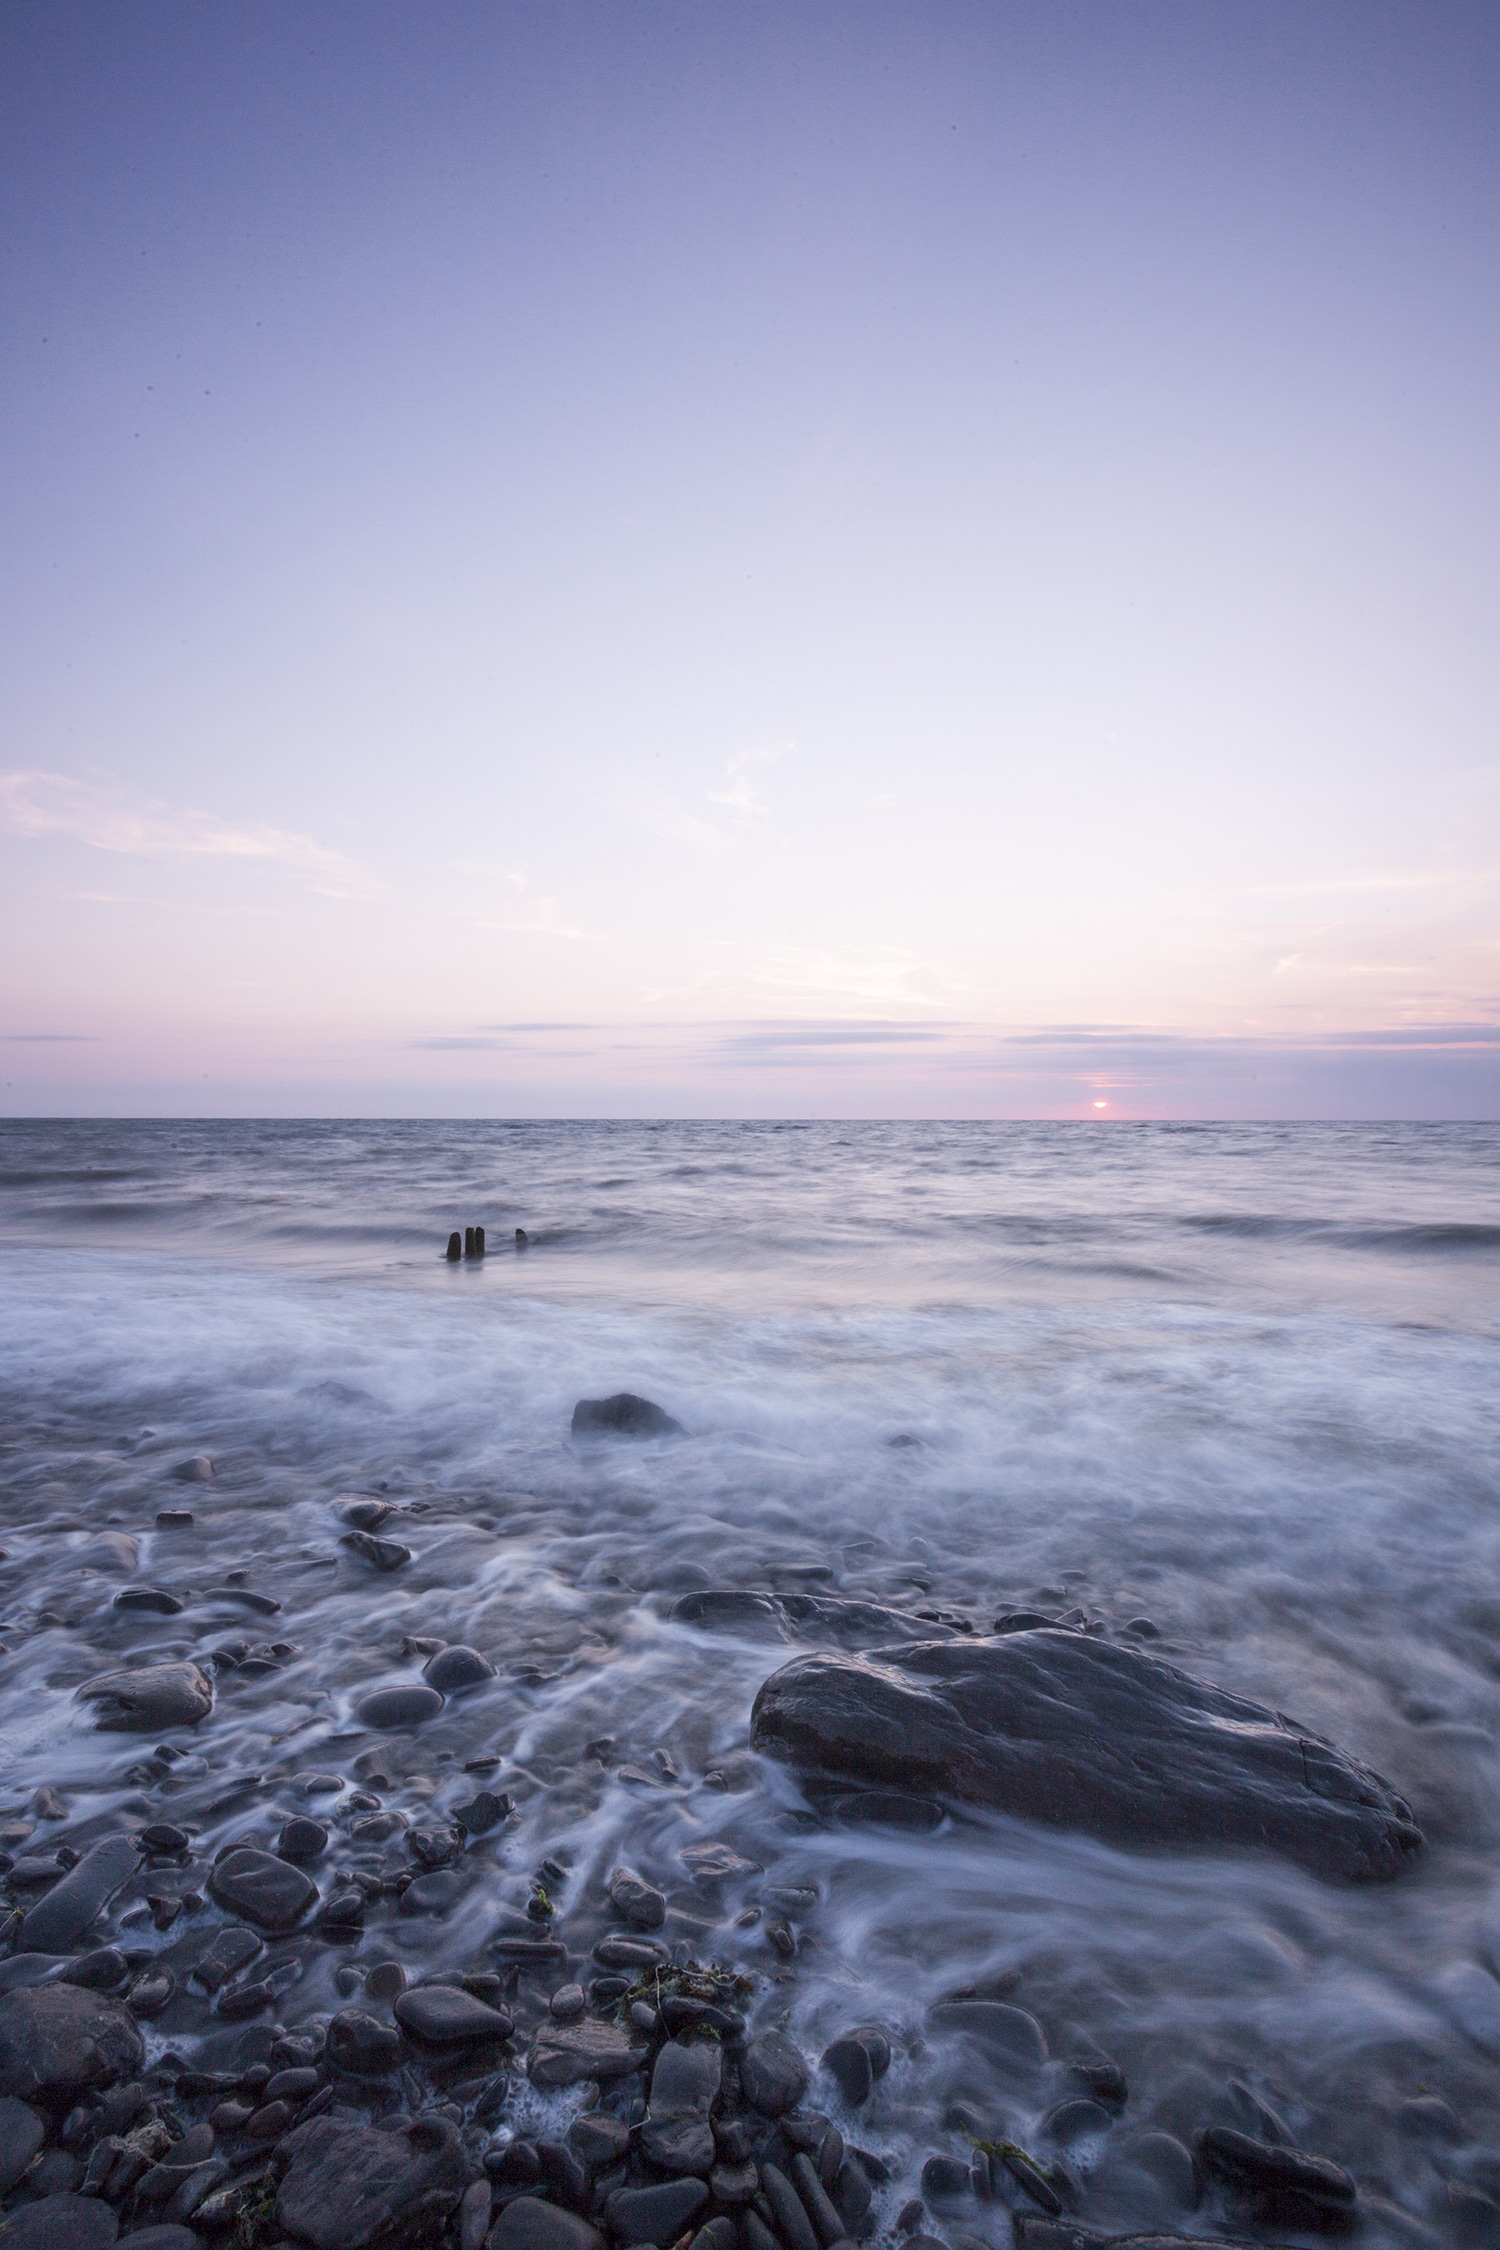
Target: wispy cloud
pixel 42 804
pixel 739 796
pixel 51 1038
pixel 526 912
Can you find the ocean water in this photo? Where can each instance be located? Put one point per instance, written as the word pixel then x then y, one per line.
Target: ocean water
pixel 1237 1381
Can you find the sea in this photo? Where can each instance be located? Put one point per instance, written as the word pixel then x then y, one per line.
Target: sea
pixel 1237 1385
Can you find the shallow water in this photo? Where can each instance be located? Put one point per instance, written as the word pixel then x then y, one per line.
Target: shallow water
pixel 1240 1381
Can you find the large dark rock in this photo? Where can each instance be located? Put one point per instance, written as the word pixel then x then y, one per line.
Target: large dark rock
pixel 151 1700
pixel 363 2045
pixel 624 1415
pixel 802 1617
pixel 1063 1728
pixel 60 2222
pixel 60 1919
pixel 1033 2232
pixel 58 2041
pixel 267 1891
pixel 349 2187
pixel 773 2074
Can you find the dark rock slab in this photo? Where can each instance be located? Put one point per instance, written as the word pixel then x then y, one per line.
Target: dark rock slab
pixel 772 2074
pixel 565 2054
pixel 58 2041
pixel 655 2214
pixel 1034 2232
pixel 150 1701
pixel 439 2015
pixel 230 1951
pixel 383 1554
pixel 165 2237
pixel 60 2222
pixel 263 1889
pixel 1065 1728
pixel 349 2187
pixel 801 1617
pixel 1006 2031
pixel 623 1415
pixel 398 1707
pixel 457 1667
pixel 60 1919
pixel 529 2224
pixel 22 2133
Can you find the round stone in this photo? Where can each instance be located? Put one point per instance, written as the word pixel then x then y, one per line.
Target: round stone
pixel 398 1707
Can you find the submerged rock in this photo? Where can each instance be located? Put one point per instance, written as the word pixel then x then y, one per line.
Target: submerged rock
pixel 58 2041
pixel 60 1919
pixel 801 1617
pixel 1061 1727
pixel 60 2222
pixel 151 1700
pixel 455 1668
pixel 624 1415
pixel 267 1891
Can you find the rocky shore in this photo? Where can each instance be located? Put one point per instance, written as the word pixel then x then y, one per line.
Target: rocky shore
pixel 323 2003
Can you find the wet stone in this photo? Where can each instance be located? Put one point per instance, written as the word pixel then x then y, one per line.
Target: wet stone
pixel 61 1918
pixel 526 2223
pixel 1007 2032
pixel 455 1668
pixel 1057 1726
pixel 347 2186
pixel 263 1889
pixel 398 1707
pixel 1257 2168
pixel 565 2054
pixel 385 1980
pixel 636 1901
pixel 21 2135
pixel 772 2074
pixel 301 1840
pixel 383 1554
pixel 151 1700
pixel 483 1812
pixel 655 2214
pixel 437 1893
pixel 623 1415
pixel 60 2222
pixel 58 2041
pixel 230 1952
pixel 154 1598
pixel 438 2015
pixel 362 2045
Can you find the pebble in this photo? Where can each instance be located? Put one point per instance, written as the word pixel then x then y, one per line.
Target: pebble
pixel 636 1901
pixel 526 2223
pixel 58 2041
pixel 362 2045
pixel 772 2074
pixel 174 1519
pixel 483 1812
pixel 154 1598
pixel 655 2214
pixel 386 1980
pixel 565 2054
pixel 457 1667
pixel 567 2002
pixel 21 2135
pixel 1258 2167
pixel 398 1707
pixel 385 1554
pixel 230 1951
pixel 302 1839
pixel 60 2222
pixel 437 2015
pixel 151 1700
pixel 197 1470
pixel 263 1889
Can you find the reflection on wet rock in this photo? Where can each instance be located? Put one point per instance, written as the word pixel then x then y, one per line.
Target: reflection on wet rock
pixel 151 1700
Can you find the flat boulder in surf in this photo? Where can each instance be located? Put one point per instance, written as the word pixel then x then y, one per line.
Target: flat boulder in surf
pixel 624 1415
pixel 1063 1728
pixel 150 1700
pixel 800 1617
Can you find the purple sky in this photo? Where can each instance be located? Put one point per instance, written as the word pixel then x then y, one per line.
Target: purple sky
pixel 873 559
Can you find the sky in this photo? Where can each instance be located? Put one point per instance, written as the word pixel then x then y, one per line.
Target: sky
pixel 863 558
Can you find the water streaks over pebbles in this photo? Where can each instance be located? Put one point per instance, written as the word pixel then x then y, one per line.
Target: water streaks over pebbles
pixel 1271 1483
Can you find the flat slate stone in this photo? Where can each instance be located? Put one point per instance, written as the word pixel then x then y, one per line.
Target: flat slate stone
pixel 348 2186
pixel 363 2045
pixel 58 2041
pixel 60 2222
pixel 1033 2232
pixel 439 2015
pixel 565 2054
pixel 151 1700
pixel 801 1617
pixel 1064 1728
pixel 263 1889
pixel 60 1919
pixel 529 2224
pixel 398 1707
